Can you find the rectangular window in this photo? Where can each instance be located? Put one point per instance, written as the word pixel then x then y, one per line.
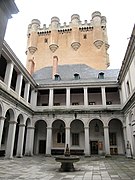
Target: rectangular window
pixel 56 104
pixel 44 104
pixel 113 139
pixel 92 103
pixel 75 103
pixel 108 102
pixel 75 139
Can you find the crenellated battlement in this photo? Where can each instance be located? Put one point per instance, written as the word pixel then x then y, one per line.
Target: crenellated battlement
pixel 74 42
pixel 75 21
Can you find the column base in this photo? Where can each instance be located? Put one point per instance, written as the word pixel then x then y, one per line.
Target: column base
pixel 27 154
pixel 87 155
pixel 108 156
pixel 19 156
pixel 10 158
pixel 48 155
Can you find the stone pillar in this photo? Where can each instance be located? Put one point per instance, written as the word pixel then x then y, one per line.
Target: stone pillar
pixel 133 137
pixel 49 141
pixel 67 97
pixel 19 84
pixel 33 100
pixel 2 119
pixel 87 145
pixel 85 96
pixel 26 91
pixel 10 139
pixel 67 141
pixel 8 74
pixel 103 96
pixel 125 140
pixel 29 141
pixel 20 140
pixel 106 139
pixel 51 98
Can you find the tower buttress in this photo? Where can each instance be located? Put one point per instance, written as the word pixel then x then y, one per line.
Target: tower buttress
pixel 32 43
pixel 54 34
pixel 75 20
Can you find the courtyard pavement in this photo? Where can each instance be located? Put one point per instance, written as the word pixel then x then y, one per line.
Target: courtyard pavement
pixel 45 168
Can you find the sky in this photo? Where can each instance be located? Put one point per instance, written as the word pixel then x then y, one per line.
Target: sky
pixel 120 16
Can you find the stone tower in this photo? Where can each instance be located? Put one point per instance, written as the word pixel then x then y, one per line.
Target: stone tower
pixel 76 43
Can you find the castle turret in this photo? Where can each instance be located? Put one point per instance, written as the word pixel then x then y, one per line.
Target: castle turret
pixel 32 43
pixel 103 26
pixel 54 34
pixel 97 33
pixel 75 20
pixel 32 46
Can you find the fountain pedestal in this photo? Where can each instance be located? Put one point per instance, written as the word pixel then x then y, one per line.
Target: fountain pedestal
pixel 67 161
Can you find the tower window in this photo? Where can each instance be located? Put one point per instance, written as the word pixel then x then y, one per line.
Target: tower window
pixel 46 40
pixel 85 36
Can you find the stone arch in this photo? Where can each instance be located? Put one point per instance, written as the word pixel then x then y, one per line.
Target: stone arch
pixel 116 137
pixel 77 135
pixel 10 112
pixel 96 136
pixel 58 136
pixel 40 136
pixel 28 122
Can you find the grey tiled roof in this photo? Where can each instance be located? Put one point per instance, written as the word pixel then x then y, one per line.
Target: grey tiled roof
pixel 66 72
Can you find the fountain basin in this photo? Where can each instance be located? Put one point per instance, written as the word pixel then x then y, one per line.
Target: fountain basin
pixel 67 162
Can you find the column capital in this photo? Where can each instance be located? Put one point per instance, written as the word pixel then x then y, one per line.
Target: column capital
pixel 67 127
pixel 49 127
pixel 22 125
pixel 30 127
pixel 12 122
pixel 51 88
pixel 86 127
pixel 2 118
pixel 106 127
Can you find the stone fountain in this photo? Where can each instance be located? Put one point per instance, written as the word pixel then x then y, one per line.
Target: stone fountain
pixel 67 161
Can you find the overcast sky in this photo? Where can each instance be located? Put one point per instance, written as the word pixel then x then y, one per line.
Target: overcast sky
pixel 120 16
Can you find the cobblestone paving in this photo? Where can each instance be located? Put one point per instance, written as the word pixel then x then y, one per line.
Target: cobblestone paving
pixel 45 168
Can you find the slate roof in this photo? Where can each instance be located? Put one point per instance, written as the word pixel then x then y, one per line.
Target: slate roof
pixel 66 72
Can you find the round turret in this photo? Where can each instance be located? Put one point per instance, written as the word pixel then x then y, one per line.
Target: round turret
pixel 96 14
pixel 75 19
pixel 103 21
pixel 35 24
pixel 55 22
pixel 96 17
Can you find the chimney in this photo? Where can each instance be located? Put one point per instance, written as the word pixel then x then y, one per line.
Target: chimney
pixel 55 66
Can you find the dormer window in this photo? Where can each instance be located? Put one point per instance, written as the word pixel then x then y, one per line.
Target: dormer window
pixel 76 76
pixel 57 77
pixel 101 75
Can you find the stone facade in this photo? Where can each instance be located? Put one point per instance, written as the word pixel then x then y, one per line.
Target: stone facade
pixel 76 43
